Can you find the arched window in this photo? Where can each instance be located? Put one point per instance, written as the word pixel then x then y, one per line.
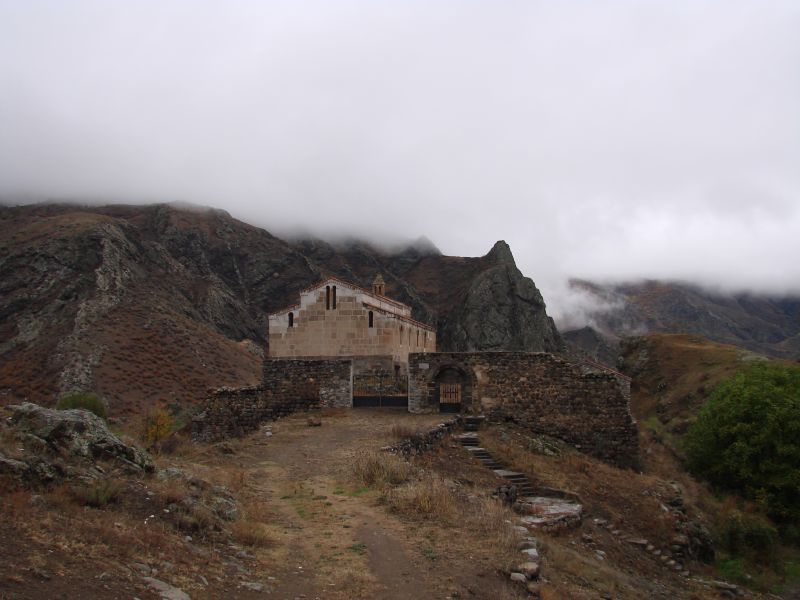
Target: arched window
pixel 327 297
pixel 371 320
pixel 334 297
pixel 291 319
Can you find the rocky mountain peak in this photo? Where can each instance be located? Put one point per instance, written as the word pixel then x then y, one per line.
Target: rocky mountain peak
pixel 501 253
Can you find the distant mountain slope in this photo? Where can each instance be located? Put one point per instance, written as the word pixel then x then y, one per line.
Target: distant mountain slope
pixel 157 303
pixel 759 323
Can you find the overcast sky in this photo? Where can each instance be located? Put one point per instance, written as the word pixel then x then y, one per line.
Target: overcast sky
pixel 607 140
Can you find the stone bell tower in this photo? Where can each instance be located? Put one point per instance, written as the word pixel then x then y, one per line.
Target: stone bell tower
pixel 379 286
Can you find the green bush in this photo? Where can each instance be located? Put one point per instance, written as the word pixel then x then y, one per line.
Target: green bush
pixel 751 535
pixel 85 400
pixel 747 438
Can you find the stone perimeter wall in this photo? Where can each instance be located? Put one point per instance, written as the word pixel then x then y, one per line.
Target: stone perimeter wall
pixel 288 386
pixel 539 391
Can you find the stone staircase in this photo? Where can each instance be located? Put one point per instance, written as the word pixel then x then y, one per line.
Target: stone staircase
pixel 469 439
pixel 544 508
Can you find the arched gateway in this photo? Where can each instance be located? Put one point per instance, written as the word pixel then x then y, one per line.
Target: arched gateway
pixel 451 385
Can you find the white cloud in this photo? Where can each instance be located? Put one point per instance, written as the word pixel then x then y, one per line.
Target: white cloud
pixel 608 140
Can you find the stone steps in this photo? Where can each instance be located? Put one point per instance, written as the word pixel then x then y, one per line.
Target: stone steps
pixel 473 423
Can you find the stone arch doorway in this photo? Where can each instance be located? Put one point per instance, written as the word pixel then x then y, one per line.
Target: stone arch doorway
pixel 452 389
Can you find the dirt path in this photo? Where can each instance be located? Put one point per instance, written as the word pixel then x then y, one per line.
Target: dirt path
pixel 334 542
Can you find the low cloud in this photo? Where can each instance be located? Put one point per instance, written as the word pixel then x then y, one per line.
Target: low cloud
pixel 604 140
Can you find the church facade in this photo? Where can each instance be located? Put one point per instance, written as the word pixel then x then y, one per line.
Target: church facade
pixel 335 318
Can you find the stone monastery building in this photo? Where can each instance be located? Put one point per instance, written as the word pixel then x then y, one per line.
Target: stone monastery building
pixel 336 318
pixel 346 347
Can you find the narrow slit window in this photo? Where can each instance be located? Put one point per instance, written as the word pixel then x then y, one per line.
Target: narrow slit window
pixel 291 319
pixel 371 319
pixel 334 298
pixel 327 297
pixel 417 337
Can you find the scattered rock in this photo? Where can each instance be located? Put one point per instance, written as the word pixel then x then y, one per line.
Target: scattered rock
pixel 550 514
pixel 252 585
pixel 519 578
pixel 314 421
pixel 140 567
pixel 529 569
pixel 224 508
pixel 41 573
pixel 77 433
pixel 531 553
pixel 165 590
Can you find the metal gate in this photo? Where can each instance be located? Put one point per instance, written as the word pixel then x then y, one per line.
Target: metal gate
pixel 449 397
pixel 378 391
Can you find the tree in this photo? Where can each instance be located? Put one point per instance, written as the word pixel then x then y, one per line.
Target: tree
pixel 747 438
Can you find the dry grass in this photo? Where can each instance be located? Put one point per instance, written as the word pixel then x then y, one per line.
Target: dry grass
pixel 98 493
pixel 621 495
pixel 252 534
pixel 172 491
pixel 402 431
pixel 426 498
pixel 378 469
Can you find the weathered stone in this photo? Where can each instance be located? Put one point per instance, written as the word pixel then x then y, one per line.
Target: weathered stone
pixel 165 590
pixel 288 386
pixel 519 578
pixel 529 569
pixel 424 442
pixel 77 433
pixel 531 553
pixel 496 297
pixel 540 391
pixel 550 514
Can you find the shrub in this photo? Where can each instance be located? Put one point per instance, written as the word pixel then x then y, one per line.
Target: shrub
pixel 158 425
pixel 429 498
pixel 251 534
pixel 98 493
pixel 747 438
pixel 746 534
pixel 374 469
pixel 85 401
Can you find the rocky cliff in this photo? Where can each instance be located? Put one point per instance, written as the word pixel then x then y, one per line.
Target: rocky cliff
pixel 148 304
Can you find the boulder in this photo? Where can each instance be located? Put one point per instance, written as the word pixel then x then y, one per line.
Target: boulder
pixel 77 433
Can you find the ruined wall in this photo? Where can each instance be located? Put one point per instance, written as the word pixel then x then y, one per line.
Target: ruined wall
pixel 330 380
pixel 541 392
pixel 288 386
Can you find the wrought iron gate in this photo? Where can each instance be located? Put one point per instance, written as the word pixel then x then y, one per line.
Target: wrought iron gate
pixel 449 397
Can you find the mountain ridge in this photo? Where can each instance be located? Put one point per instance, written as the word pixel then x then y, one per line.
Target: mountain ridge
pixel 152 304
pixel 760 323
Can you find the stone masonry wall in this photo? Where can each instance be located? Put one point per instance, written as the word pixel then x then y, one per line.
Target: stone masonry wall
pixel 319 329
pixel 541 392
pixel 289 386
